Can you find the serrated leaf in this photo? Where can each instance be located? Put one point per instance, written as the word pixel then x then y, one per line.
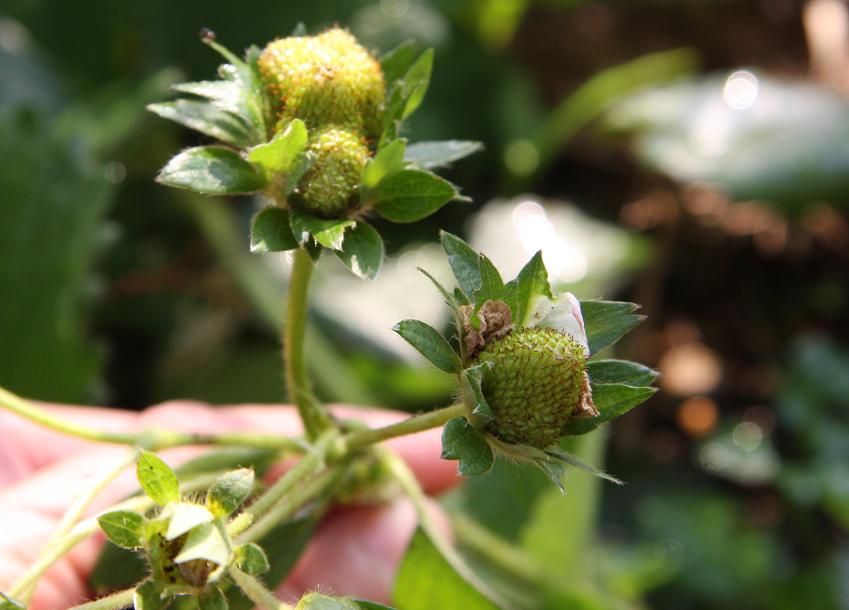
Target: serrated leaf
pixel 621 371
pixel 388 160
pixel 281 154
pixel 206 118
pixel 329 232
pixel 416 82
pixel 431 155
pixel 531 282
pixel 426 580
pixel 492 286
pixel 271 231
pixel 207 541
pixel 223 93
pixel 183 516
pixel 430 343
pixel 147 597
pixel 464 262
pixel 607 321
pixel 123 528
pixel 460 441
pixel 229 491
pixel 612 400
pixel 472 378
pixel 319 601
pixel 411 194
pixel 213 599
pixel 156 478
pixel 362 250
pixel 211 170
pixel 397 61
pixel 251 559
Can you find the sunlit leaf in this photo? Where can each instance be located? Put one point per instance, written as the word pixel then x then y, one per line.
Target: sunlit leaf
pixel 430 343
pixel 212 170
pixel 410 195
pixel 206 118
pixel 431 155
pixel 123 527
pixel 157 479
pixel 362 250
pixel 271 231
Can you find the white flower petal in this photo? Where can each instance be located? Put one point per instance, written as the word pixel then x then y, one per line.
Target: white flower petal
pixel 562 314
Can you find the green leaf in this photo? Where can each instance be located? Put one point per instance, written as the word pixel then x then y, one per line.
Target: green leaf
pixel 116 568
pixel 208 541
pixel 281 154
pixel 430 343
pixel 411 194
pixel 147 597
pixel 211 170
pixel 213 599
pixel 183 516
pixel 492 286
pixel 388 160
pixel 206 118
pixel 123 527
pixel 318 601
pixel 229 491
pixel 460 441
pixel 612 400
pixel 431 155
pixel 620 371
pixel 362 250
pixel 416 81
pixel 225 94
pixel 426 580
pixel 472 378
pixel 157 479
pixel 607 321
pixel 7 603
pixel 464 261
pixel 271 231
pixel 531 282
pixel 397 61
pixel 367 605
pixel 329 232
pixel 251 559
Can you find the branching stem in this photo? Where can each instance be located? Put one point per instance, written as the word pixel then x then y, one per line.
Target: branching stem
pixel 411 425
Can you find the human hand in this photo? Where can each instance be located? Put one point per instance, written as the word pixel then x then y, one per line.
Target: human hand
pixel 355 550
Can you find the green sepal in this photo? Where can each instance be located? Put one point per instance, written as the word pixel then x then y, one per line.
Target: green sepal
pixel 362 250
pixel 319 601
pixel 251 559
pixel 405 94
pixel 388 160
pixel 492 286
pixel 472 378
pixel 432 155
pixel 611 400
pixel 409 195
pixel 430 343
pixel 395 62
pixel 213 598
pixel 148 597
pixel 156 478
pixel 229 491
pixel 329 232
pixel 621 371
pixel 271 231
pixel 461 441
pixel 208 541
pixel 211 170
pixel 464 262
pixel 123 528
pixel 206 118
pixel 531 283
pixel 607 321
pixel 282 153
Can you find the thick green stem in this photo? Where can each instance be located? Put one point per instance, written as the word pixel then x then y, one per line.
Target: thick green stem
pixel 116 601
pixel 256 591
pixel 315 417
pixel 411 425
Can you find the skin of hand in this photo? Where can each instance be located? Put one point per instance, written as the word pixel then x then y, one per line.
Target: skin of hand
pixel 355 550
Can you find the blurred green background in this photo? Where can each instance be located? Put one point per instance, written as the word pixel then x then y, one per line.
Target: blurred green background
pixel 692 156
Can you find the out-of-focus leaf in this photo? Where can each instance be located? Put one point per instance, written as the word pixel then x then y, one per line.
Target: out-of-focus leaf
pixel 460 441
pixel 410 195
pixel 362 250
pixel 157 479
pixel 213 599
pixel 147 597
pixel 116 568
pixel 396 62
pixel 211 170
pixel 271 231
pixel 319 601
pixel 426 581
pixel 251 559
pixel 431 155
pixel 607 321
pixel 387 161
pixel 430 343
pixel 229 491
pixel 612 400
pixel 329 232
pixel 205 118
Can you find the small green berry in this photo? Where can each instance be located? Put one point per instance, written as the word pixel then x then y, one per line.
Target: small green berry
pixel 534 385
pixel 330 186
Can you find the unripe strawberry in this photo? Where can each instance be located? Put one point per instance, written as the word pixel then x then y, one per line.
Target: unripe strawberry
pixel 329 188
pixel 323 80
pixel 534 385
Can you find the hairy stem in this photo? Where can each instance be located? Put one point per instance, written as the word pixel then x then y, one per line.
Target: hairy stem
pixel 257 592
pixel 417 423
pixel 314 415
pixel 116 601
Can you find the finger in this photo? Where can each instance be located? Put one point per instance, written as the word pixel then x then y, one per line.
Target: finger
pixel 357 551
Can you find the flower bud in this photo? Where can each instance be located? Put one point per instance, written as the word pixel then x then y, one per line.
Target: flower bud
pixel 323 80
pixel 536 382
pixel 329 188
